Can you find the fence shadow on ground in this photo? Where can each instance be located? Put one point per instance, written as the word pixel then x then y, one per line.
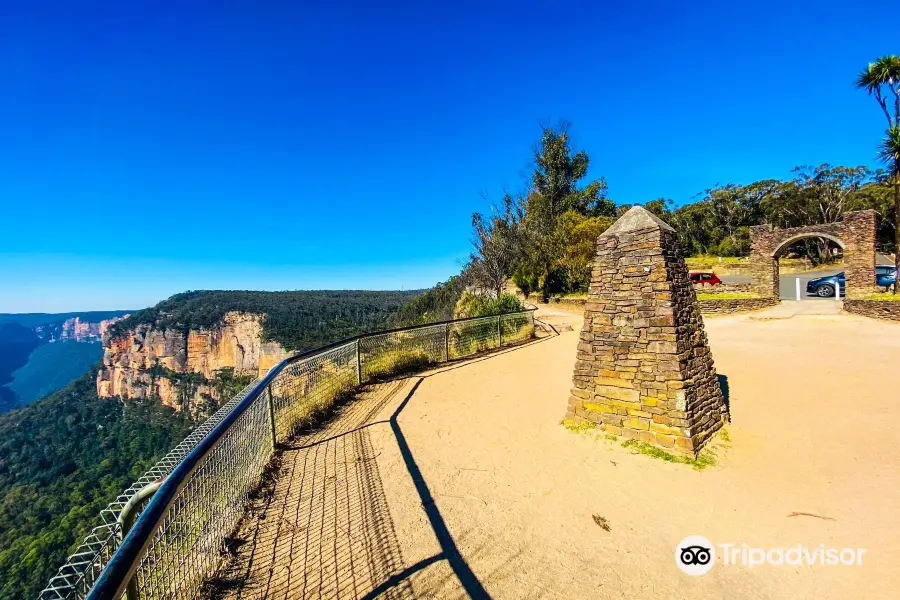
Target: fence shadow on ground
pixel 320 524
pixel 325 530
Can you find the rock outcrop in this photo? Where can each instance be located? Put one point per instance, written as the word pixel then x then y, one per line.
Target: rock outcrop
pixel 82 331
pixel 76 329
pixel 183 368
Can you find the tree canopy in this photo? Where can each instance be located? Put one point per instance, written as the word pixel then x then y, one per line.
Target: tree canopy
pixel 62 460
pixel 298 320
pixel 545 238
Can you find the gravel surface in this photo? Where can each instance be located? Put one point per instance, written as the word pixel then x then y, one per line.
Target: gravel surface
pixel 463 482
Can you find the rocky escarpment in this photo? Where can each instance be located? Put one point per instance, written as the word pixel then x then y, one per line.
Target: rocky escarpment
pixel 76 329
pixel 189 369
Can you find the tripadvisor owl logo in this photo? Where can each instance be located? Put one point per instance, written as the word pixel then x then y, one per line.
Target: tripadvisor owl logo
pixel 695 555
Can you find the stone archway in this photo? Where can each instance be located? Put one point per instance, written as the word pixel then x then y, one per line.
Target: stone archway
pixel 855 234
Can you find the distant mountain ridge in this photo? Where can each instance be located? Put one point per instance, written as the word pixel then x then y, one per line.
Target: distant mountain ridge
pixel 42 352
pixel 32 320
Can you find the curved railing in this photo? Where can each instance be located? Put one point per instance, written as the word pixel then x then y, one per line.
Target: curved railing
pixel 178 540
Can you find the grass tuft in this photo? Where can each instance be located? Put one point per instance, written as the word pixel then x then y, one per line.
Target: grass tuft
pixel 578 427
pixel 396 362
pixel 705 459
pixel 884 297
pixel 707 261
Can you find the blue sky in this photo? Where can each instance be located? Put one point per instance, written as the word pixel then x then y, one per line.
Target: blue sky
pixel 153 147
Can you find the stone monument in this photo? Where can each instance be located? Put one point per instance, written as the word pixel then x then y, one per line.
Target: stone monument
pixel 644 370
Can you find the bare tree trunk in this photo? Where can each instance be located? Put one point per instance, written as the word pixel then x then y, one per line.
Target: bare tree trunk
pixel 897 226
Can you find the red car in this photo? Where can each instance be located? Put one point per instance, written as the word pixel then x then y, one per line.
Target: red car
pixel 705 278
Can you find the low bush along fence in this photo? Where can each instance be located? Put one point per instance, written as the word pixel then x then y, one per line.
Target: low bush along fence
pixel 176 542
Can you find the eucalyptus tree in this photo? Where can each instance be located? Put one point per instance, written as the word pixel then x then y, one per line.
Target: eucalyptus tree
pixel 557 188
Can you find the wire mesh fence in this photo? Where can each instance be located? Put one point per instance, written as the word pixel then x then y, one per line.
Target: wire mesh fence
pixel 389 353
pixel 75 578
pixel 305 388
pixel 180 541
pixel 186 545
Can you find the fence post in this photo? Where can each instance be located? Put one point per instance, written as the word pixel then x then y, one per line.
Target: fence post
pixel 271 406
pixel 447 342
pixel 499 331
pixel 358 365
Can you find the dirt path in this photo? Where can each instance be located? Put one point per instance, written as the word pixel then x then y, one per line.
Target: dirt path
pixel 463 482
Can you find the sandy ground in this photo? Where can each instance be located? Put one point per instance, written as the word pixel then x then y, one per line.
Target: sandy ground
pixel 462 482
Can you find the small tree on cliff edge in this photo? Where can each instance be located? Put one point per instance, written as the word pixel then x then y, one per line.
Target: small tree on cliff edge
pixel 882 80
pixel 495 246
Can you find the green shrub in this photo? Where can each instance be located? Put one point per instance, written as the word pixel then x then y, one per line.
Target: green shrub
pixel 472 337
pixel 477 305
pixel 733 245
pixel 526 281
pixel 433 305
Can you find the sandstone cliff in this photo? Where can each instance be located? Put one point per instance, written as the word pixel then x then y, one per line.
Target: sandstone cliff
pixel 83 331
pixel 76 329
pixel 186 369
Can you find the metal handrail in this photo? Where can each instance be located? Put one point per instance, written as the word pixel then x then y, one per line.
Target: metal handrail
pixel 77 575
pixel 126 520
pixel 112 582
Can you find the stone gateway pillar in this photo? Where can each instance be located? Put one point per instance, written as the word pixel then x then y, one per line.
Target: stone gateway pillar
pixel 643 368
pixel 855 234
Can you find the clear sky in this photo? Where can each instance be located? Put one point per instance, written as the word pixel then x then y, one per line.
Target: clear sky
pixel 151 147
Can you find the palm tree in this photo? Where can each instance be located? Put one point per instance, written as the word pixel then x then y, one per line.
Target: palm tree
pixel 881 78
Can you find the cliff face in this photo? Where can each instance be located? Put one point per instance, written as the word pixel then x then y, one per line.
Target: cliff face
pixel 76 330
pixel 185 370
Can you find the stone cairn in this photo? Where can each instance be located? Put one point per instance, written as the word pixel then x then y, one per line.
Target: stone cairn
pixel 644 370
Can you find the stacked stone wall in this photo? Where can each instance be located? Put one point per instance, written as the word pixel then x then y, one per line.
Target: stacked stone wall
pixel 859 253
pixel 723 288
pixel 727 306
pixel 888 310
pixel 644 369
pixel 856 234
pixel 712 306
